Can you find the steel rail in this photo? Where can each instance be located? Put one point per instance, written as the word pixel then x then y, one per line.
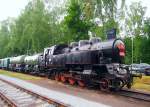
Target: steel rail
pixel 7 100
pixel 45 98
pixel 135 94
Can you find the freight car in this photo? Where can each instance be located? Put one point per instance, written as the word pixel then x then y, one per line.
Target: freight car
pixel 84 63
pixel 4 63
pixel 17 63
pixel 32 63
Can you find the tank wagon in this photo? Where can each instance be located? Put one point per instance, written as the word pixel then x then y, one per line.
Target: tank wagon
pixel 33 63
pixel 17 63
pixel 84 63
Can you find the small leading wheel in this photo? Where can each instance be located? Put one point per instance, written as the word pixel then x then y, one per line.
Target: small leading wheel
pixel 104 84
pixel 117 84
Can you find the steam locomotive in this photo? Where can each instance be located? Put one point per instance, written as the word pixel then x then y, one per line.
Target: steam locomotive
pixel 87 62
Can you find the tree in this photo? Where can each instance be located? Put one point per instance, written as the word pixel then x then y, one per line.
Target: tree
pixel 137 28
pixel 128 44
pixel 147 27
pixel 106 11
pixel 31 32
pixel 75 22
pixel 145 57
pixel 5 36
pixel 135 19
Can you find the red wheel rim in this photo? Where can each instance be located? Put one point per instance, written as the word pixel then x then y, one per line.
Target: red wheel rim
pixel 81 83
pixel 71 81
pixel 63 79
pixel 104 84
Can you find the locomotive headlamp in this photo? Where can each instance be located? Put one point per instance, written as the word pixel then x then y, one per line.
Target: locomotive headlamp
pixel 121 47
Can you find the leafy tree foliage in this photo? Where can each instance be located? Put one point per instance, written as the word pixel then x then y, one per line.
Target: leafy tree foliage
pixel 31 32
pixel 106 11
pixel 135 19
pixel 147 27
pixel 138 29
pixel 75 22
pixel 40 26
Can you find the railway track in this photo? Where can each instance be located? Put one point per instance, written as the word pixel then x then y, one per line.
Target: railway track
pixel 135 94
pixel 12 95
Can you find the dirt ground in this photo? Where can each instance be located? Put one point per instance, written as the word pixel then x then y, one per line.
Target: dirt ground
pixel 90 94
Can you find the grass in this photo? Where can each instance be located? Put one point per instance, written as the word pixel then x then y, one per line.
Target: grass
pixel 19 75
pixel 142 84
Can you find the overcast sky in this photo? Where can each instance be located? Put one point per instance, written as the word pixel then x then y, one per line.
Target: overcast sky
pixel 145 3
pixel 12 8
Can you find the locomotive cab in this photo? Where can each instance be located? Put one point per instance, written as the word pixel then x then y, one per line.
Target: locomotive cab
pixel 54 56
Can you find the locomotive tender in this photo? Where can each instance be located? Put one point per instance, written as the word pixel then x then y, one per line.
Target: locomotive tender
pixel 85 62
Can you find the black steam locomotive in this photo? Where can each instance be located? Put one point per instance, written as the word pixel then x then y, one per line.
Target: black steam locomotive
pixel 84 63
